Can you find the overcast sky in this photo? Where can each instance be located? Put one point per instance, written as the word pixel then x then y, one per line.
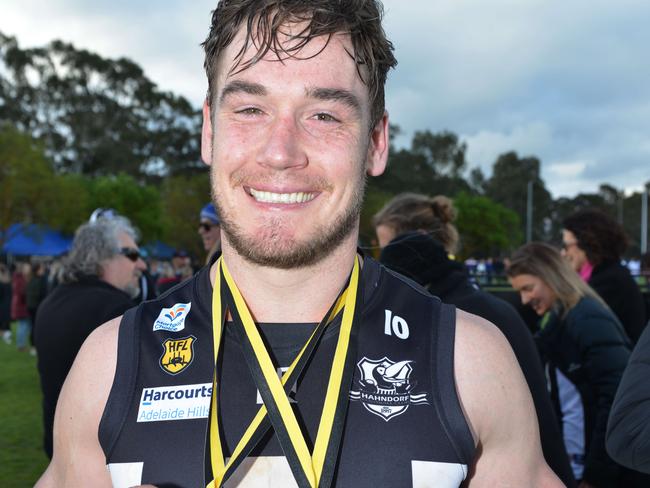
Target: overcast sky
pixel 566 81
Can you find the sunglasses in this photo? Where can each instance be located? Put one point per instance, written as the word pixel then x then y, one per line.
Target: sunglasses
pixel 206 227
pixel 130 253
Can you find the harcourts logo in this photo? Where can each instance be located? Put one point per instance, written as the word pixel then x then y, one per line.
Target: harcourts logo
pixel 183 402
pixel 172 319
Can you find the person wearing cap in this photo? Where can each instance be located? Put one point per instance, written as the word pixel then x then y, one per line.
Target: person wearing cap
pixel 210 231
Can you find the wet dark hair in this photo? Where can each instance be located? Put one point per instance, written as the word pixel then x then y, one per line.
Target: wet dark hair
pixel 265 22
pixel 600 236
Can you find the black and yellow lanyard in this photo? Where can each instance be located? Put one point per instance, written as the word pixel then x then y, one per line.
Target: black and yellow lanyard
pixel 311 470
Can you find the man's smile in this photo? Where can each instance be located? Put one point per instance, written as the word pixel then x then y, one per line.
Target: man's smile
pixel 272 197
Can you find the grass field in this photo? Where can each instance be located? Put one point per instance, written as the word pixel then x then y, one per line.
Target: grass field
pixel 22 459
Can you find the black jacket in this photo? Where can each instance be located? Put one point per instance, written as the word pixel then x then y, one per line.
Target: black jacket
pixel 65 318
pixel 425 261
pixel 628 430
pixel 615 285
pixel 591 349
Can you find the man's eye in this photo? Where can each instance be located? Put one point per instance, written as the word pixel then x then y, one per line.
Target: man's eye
pixel 324 117
pixel 250 111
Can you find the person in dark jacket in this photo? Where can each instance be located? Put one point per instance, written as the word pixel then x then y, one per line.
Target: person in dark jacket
pixel 5 303
pixel 35 293
pixel 628 429
pixel 586 350
pixel 406 227
pixel 19 311
pixel 100 279
pixel 593 243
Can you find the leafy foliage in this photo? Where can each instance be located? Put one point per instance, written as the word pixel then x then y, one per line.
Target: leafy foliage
pixel 25 177
pixel 508 186
pixel 96 116
pixel 486 228
pixel 141 203
pixel 183 198
pixel 79 131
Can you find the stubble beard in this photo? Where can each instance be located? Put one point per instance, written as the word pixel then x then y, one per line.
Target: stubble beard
pixel 273 249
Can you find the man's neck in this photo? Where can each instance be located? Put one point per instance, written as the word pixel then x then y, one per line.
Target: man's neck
pixel 291 295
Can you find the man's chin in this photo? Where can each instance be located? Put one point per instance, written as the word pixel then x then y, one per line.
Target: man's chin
pixel 284 255
pixel 133 290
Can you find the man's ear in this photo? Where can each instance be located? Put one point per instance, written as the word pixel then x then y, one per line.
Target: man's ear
pixel 206 135
pixel 378 148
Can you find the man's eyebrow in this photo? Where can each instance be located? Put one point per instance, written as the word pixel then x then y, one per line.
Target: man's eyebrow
pixel 240 86
pixel 336 95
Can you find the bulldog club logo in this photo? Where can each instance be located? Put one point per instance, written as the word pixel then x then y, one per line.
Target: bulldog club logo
pixel 385 387
pixel 177 354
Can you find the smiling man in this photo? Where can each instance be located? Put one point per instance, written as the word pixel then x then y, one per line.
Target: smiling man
pixel 381 384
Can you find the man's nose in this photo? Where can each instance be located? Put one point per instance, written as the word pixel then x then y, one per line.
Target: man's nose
pixel 525 298
pixel 283 147
pixel 140 264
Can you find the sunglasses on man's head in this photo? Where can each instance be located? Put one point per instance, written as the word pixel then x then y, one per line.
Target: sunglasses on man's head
pixel 130 253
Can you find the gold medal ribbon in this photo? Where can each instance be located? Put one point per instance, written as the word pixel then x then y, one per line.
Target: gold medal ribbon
pixel 311 470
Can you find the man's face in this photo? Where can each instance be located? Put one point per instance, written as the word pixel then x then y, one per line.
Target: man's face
pixel 571 251
pixel 289 144
pixel 210 234
pixel 122 272
pixel 178 262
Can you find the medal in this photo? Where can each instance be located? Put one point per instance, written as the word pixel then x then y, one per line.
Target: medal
pixel 311 470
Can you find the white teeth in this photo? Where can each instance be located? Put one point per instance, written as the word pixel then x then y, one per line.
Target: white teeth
pixel 269 197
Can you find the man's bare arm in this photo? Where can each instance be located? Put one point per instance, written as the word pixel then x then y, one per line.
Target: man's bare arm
pixel 78 458
pixel 499 408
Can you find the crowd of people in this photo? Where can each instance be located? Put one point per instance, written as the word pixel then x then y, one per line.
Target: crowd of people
pixel 25 283
pixel 399 371
pixel 592 313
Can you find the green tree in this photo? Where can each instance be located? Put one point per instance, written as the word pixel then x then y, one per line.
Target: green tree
pixel 508 186
pixel 486 228
pixel 139 202
pixel 443 151
pixel 25 180
pixel 184 197
pixel 70 202
pixel 432 165
pixel 96 116
pixel 477 180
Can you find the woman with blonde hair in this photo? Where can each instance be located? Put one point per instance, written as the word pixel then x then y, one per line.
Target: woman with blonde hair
pixel 586 350
pixel 417 235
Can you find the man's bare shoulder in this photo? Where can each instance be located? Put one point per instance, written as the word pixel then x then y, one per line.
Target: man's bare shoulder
pixel 481 356
pixel 78 457
pixel 103 336
pixel 499 408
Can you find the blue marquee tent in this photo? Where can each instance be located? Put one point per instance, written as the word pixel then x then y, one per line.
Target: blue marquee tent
pixel 34 240
pixel 159 250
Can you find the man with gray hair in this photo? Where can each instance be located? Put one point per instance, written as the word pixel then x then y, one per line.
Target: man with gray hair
pixel 99 281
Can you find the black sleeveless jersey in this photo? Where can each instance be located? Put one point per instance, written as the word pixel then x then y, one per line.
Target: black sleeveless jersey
pixel 404 425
